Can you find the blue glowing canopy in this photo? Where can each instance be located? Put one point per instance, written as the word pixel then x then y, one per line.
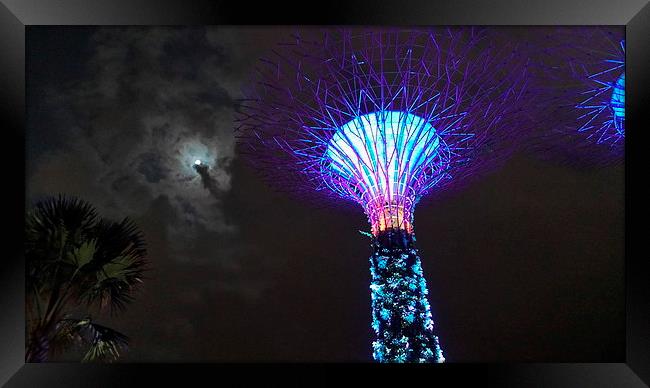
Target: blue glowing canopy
pixel 381 152
pixel 618 103
pixel 382 157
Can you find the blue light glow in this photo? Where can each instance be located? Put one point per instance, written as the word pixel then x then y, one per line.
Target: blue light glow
pixel 382 150
pixel 192 153
pixel 602 110
pixel 401 315
pixel 618 104
pixel 383 156
pixel 383 119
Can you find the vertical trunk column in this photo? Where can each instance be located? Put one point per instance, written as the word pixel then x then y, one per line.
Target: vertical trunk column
pixel 401 316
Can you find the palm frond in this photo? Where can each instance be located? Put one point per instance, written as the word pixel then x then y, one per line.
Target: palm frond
pixel 118 264
pixel 75 256
pixel 119 239
pixel 104 343
pixel 74 214
pixel 52 228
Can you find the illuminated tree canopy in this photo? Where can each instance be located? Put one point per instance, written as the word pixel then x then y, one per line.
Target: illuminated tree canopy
pixel 382 118
pixel 464 86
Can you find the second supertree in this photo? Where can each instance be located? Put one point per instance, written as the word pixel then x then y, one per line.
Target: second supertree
pixel 578 74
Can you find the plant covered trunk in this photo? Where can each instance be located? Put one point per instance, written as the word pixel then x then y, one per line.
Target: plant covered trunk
pixel 401 316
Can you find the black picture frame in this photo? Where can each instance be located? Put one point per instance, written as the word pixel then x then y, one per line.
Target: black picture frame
pixel 16 15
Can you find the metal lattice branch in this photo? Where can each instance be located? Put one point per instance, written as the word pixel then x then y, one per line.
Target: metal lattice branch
pixel 579 76
pixel 382 118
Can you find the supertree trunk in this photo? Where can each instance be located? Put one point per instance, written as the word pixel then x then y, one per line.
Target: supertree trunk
pixel 401 316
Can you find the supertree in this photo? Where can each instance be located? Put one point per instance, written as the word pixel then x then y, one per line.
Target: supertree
pixel 381 118
pixel 579 76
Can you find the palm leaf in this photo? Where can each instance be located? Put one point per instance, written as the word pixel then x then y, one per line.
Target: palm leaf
pixel 104 343
pixel 75 256
pixel 52 228
pixel 118 264
pixel 82 255
pixel 73 214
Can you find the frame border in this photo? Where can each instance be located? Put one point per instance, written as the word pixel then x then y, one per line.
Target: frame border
pixel 15 15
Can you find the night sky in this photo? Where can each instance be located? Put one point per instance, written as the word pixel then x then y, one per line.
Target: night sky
pixel 523 265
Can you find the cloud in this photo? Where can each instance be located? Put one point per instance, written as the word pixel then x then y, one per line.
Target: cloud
pixel 150 102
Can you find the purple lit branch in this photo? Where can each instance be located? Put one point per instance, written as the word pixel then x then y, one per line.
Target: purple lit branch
pixel 579 76
pixel 383 118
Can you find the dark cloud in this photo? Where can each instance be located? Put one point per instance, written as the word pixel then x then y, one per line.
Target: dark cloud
pixel 209 183
pixel 123 132
pixel 151 166
pixel 122 123
pixel 150 103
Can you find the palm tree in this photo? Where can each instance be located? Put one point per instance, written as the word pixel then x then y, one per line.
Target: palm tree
pixel 76 258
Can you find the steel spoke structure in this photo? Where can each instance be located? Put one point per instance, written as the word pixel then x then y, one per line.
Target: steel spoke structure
pixel 382 118
pixel 579 73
